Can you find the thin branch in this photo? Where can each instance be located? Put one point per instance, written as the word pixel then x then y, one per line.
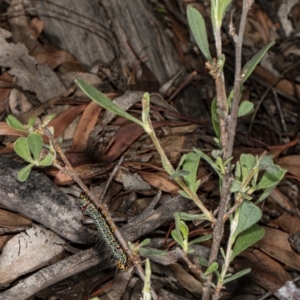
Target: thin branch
pixel 135 259
pixel 228 144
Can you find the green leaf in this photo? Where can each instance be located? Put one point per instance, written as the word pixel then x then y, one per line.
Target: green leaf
pixel 198 29
pixel 31 122
pixel 145 242
pixel 190 165
pixel 184 230
pixel 215 118
pixel 265 194
pixel 218 142
pixel 35 143
pixel 176 234
pixel 223 253
pixel 246 239
pixel 182 159
pixel 266 162
pixel 201 239
pixel 21 147
pixel 216 153
pixel 253 62
pixel 184 194
pixel 230 98
pixel 24 173
pixel 219 8
pixel 271 177
pixel 247 162
pixel 178 174
pixel 237 275
pixel 238 171
pixel 191 217
pixel 235 186
pixel 146 252
pixel 196 185
pixel 14 123
pixel 246 196
pixel 208 160
pixel 102 100
pixel 203 261
pixel 46 161
pixel 249 214
pixel 245 108
pixel 212 267
pixel 177 237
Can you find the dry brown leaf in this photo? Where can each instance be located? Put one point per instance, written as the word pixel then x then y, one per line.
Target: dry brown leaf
pixel 288 223
pixel 276 244
pixel 56 58
pixel 85 126
pixel 30 76
pixel 283 202
pixel 6 80
pixel 133 181
pixel 37 26
pixel 292 226
pixel 8 149
pixel 187 280
pixel 61 122
pixel 13 220
pixel 278 149
pixel 124 137
pixel 20 27
pixel 284 86
pixel 265 271
pixel 5 129
pixel 161 181
pixel 84 171
pixel 291 163
pixel 172 146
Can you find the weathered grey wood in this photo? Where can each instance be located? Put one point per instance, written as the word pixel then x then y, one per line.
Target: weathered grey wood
pixel 30 76
pixel 134 23
pixel 39 199
pixel 79 27
pixel 52 274
pixel 104 34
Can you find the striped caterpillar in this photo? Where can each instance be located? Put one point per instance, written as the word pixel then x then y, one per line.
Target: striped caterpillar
pixel 105 229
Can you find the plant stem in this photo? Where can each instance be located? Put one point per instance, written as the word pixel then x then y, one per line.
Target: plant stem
pixel 227 138
pixel 135 259
pixel 169 168
pixel 226 261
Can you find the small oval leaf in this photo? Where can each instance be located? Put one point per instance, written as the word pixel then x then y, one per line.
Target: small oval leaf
pixel 13 122
pixel 35 143
pixel 22 149
pixel 102 100
pixel 249 214
pixel 245 108
pixel 212 267
pixel 47 160
pixel 198 29
pixel 253 62
pixel 24 173
pixel 246 239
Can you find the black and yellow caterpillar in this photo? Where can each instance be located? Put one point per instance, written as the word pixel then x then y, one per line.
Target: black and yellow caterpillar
pixel 105 229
